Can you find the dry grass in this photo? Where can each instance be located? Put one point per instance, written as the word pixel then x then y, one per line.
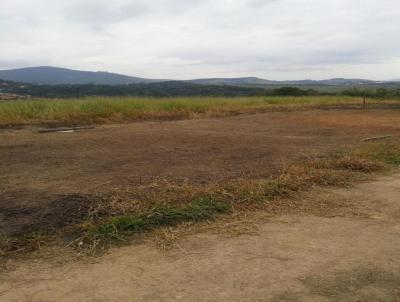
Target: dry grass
pixel 112 219
pixel 134 211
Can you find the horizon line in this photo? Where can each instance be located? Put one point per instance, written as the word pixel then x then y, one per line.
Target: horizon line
pixel 198 78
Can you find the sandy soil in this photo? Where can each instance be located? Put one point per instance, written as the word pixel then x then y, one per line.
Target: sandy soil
pixel 347 257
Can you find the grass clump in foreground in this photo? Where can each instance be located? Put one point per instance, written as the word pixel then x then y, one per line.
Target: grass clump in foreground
pixel 196 210
pixel 172 205
pixel 119 109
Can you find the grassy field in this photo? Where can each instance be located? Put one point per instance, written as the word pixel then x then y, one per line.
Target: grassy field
pixel 120 109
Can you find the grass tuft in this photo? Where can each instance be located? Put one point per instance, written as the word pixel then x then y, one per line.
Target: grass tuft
pixel 199 209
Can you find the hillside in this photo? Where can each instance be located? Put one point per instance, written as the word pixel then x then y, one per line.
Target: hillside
pixel 45 75
pixel 259 81
pixel 233 81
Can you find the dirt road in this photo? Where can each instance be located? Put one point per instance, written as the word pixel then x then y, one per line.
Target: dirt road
pixel 346 257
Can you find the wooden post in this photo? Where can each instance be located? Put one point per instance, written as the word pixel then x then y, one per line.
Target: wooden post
pixel 364 102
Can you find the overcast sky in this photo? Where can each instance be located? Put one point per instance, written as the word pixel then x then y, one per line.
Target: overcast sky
pixel 183 39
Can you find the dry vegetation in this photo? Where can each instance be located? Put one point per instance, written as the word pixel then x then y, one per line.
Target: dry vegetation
pixel 111 219
pixel 120 109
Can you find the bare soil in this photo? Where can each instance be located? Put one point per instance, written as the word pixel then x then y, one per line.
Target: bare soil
pixel 344 245
pixel 46 179
pixel 354 255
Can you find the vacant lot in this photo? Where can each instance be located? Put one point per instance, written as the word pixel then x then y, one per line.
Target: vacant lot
pixel 81 188
pixel 64 170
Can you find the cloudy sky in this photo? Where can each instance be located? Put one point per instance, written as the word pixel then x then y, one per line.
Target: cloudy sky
pixel 183 39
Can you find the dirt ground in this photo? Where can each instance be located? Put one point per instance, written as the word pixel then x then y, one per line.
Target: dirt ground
pixel 40 171
pixel 350 256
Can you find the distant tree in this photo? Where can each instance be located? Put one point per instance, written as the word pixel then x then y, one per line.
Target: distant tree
pixel 382 93
pixel 290 91
pixel 162 89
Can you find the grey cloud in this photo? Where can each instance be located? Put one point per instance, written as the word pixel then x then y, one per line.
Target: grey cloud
pixel 193 38
pixel 8 64
pixel 99 14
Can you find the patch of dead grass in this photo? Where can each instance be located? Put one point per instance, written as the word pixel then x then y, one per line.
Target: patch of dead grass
pixel 160 205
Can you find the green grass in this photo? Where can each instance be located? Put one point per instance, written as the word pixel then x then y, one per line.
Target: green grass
pixel 197 210
pixel 119 109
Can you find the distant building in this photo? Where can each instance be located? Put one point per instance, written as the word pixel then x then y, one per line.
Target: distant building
pixel 13 97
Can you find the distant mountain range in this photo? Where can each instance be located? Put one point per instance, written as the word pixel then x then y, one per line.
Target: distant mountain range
pixel 46 75
pixel 258 81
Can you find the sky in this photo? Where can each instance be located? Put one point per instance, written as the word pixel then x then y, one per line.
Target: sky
pixel 186 39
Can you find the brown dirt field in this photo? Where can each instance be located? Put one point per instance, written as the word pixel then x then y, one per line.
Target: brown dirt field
pixel 351 256
pixel 45 176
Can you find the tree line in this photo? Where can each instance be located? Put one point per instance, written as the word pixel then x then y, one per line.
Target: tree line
pixel 176 89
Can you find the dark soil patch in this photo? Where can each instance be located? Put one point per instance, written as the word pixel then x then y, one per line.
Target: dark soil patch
pixel 61 212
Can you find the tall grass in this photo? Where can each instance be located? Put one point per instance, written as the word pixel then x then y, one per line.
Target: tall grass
pixel 119 109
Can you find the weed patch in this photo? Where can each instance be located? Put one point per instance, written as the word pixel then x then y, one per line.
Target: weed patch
pixel 119 227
